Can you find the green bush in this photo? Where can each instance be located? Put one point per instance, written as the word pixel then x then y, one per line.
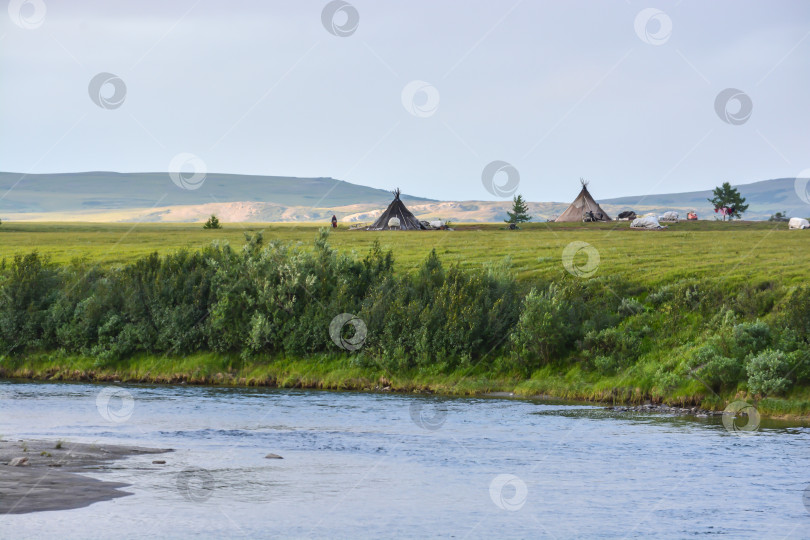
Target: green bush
pixel 769 372
pixel 441 315
pixel 712 366
pixel 278 298
pixel 795 313
pixel 630 307
pixel 544 328
pixel 606 365
pixel 755 300
pixel 751 337
pixel 799 361
pixel 29 286
pixel 611 348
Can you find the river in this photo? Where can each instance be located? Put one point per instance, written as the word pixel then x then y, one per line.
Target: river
pixel 385 465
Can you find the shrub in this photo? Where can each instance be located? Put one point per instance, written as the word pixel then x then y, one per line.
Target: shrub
pixel 751 337
pixel 629 307
pixel 280 299
pixel 755 300
pixel 28 289
pixel 606 365
pixel 664 294
pixel 441 315
pixel 665 379
pixel 768 373
pixel 550 323
pixel 714 368
pixel 541 333
pixel 799 361
pixel 795 313
pixel 618 345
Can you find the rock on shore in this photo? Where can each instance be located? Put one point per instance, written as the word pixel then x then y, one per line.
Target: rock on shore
pixel 661 408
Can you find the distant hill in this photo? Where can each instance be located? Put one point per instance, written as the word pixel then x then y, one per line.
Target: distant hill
pixel 110 191
pixel 764 199
pixel 109 196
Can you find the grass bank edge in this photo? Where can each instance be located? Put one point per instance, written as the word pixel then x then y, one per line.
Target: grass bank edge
pixel 327 372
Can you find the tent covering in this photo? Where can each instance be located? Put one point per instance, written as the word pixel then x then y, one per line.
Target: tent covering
pixel 397 209
pixel 798 223
pixel 583 207
pixel 646 222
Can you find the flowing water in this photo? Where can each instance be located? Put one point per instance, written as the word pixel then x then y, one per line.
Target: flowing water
pixel 383 465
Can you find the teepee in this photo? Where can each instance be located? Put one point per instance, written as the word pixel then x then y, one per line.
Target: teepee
pixel 397 211
pixel 584 208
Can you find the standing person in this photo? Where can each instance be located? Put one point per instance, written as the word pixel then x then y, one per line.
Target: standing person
pixel 334 221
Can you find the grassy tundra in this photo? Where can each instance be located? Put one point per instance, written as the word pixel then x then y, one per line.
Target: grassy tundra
pixel 734 251
pixel 703 313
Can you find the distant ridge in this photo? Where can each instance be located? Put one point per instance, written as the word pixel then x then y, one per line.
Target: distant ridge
pixel 101 190
pixel 109 196
pixel 764 198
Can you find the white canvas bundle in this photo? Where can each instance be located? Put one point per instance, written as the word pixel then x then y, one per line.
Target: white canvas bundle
pixel 646 222
pixel 798 223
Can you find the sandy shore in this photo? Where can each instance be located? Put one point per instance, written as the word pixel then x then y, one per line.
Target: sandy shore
pixel 49 479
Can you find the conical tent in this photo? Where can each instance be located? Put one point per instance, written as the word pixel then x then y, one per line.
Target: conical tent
pixel 397 209
pixel 582 207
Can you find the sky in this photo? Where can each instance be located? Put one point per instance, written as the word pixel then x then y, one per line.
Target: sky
pixel 635 97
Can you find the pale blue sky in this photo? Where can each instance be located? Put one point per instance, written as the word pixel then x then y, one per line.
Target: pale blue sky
pixel 557 89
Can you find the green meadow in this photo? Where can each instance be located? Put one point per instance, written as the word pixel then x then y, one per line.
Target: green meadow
pixel 733 251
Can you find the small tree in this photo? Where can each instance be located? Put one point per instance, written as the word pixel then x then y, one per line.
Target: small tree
pixel 520 211
pixel 728 197
pixel 779 216
pixel 212 223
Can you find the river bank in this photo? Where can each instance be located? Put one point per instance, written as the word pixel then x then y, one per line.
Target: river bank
pixel 40 475
pixel 341 373
pixel 279 315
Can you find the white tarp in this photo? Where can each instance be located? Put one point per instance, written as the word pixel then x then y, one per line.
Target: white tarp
pixel 393 222
pixel 437 224
pixel 669 216
pixel 646 222
pixel 798 223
